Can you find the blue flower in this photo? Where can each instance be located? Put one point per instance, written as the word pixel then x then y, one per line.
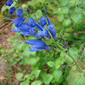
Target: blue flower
pixel 44 32
pixel 31 22
pixel 37 45
pixel 19 12
pixel 38 26
pixel 48 21
pixel 64 46
pixel 25 29
pixel 9 2
pixel 11 10
pixel 28 9
pixel 18 21
pixel 51 29
pixel 68 47
pixel 43 21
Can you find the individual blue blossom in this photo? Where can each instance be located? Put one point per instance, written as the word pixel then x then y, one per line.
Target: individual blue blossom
pixel 68 47
pixel 38 26
pixel 48 21
pixel 11 10
pixel 9 2
pixel 28 9
pixel 51 29
pixel 64 46
pixel 80 53
pixel 43 21
pixel 37 45
pixel 31 22
pixel 66 51
pixel 19 12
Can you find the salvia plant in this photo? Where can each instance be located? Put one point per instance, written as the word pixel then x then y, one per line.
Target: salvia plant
pixel 52 50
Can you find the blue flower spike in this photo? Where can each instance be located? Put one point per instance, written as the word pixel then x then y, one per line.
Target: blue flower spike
pixel 43 21
pixel 19 12
pixel 51 29
pixel 11 10
pixel 9 2
pixel 37 45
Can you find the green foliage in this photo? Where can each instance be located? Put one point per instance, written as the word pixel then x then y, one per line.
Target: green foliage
pixel 37 82
pixel 19 76
pixel 77 77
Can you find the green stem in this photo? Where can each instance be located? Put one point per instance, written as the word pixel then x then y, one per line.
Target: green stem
pixel 70 56
pixel 75 62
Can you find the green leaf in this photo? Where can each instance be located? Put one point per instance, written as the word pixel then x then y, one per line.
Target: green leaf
pixel 38 14
pixel 57 76
pixel 37 82
pixel 64 2
pixel 47 78
pixel 73 2
pixel 76 78
pixel 55 11
pixel 36 73
pixel 58 62
pixel 26 82
pixel 60 17
pixel 24 6
pixel 73 52
pixel 68 59
pixel 76 17
pixel 51 64
pixel 19 76
pixel 66 22
pixel 33 60
pixel 2 50
pixel 65 10
pixel 80 36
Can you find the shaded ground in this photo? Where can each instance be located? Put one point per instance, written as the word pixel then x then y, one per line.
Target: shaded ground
pixel 5 33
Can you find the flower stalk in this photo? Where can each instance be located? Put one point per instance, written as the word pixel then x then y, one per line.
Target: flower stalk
pixel 58 44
